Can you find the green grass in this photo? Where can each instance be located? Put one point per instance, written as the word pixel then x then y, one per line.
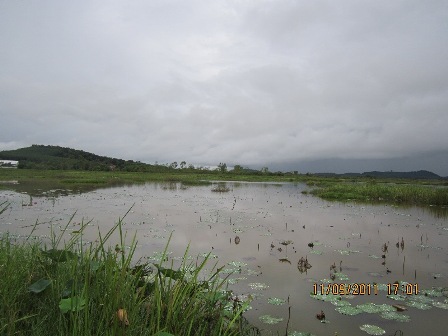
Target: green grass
pixel 413 194
pixel 401 191
pixel 78 290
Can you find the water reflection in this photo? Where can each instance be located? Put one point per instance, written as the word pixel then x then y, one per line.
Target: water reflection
pixel 273 240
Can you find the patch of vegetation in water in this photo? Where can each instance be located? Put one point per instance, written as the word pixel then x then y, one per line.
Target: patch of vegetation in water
pixel 98 290
pixel 415 194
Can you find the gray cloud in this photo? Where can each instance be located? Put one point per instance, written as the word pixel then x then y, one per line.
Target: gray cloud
pixel 253 83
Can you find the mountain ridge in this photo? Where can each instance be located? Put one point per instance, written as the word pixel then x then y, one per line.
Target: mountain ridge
pixel 64 158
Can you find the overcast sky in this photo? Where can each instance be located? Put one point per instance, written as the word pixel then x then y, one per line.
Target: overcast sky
pixel 252 82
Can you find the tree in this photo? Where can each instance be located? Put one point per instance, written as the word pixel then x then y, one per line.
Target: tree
pixel 173 165
pixel 265 170
pixel 222 167
pixel 237 169
pixel 183 164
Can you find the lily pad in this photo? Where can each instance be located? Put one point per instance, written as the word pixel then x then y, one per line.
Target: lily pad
pixel 372 329
pixel 375 274
pixel 300 333
pixel 258 285
pixel 340 303
pixel 252 272
pixel 316 252
pixel 347 251
pixel 440 305
pixel 326 297
pixel 373 308
pixel 235 280
pixel 268 319
pixel 393 315
pixel 418 305
pixel 397 297
pixel 421 299
pixel 238 264
pixel 349 310
pixel 276 301
pixel 434 292
pixel 341 276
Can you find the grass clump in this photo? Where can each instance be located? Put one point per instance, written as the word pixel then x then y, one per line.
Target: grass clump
pixel 74 290
pixel 384 192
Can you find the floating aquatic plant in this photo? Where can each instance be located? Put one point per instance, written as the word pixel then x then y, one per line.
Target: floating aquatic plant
pixel 252 272
pixel 325 297
pixel 418 305
pixel 440 304
pixel 276 301
pixel 340 303
pixel 238 264
pixel 372 329
pixel 393 315
pixel 341 276
pixel 435 292
pixel 268 319
pixel 258 286
pixel 347 251
pixel 397 297
pixel 349 310
pixel 300 333
pixel 235 280
pixel 373 308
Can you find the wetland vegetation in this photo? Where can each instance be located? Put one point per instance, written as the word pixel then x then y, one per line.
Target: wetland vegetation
pixel 257 249
pixel 98 290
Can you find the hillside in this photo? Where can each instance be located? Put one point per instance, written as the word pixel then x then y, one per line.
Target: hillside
pixel 56 157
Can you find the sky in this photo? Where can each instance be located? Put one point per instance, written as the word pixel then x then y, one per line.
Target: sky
pixel 289 84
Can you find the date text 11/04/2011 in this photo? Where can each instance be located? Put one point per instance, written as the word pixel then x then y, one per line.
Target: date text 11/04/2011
pixel 364 289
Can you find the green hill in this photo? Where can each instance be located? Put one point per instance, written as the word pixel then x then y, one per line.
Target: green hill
pixel 56 157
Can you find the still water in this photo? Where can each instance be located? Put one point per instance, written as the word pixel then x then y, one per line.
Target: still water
pixel 260 232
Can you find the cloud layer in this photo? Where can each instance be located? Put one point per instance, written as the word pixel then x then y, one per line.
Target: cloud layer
pixel 243 82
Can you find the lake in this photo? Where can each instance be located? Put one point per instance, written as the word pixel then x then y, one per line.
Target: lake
pixel 279 246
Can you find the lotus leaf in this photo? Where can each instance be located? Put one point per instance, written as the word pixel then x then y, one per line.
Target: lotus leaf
pixel 340 303
pixel 435 292
pixel 393 315
pixel 238 264
pixel 276 301
pixel 373 308
pixel 347 252
pixel 349 310
pixel 397 297
pixel 328 297
pixel 421 299
pixel 258 286
pixel 440 305
pixel 418 305
pixel 372 329
pixel 341 276
pixel 268 319
pixel 252 272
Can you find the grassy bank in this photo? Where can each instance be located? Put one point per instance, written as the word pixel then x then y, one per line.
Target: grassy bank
pixel 74 290
pixel 366 189
pixel 395 193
